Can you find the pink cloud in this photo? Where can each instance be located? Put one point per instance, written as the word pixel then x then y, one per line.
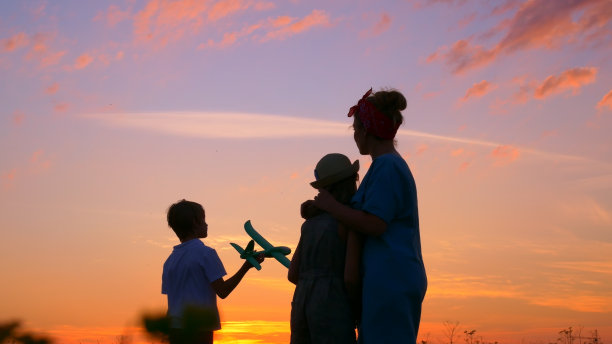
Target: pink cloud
pixel 536 25
pixel 51 58
pixel 36 156
pixel 19 40
pixel 570 79
pixel 18 117
pixel 52 89
pixel 61 107
pixel 606 101
pixel 113 15
pixel 230 38
pixel 478 90
pixel 10 175
pixel 382 25
pixel 421 149
pixel 161 22
pixel 463 56
pixel 548 133
pixel 425 3
pixel 505 154
pixel 8 178
pixel 39 162
pixel 39 50
pixel 83 61
pixel 281 21
pixel 521 96
pixel 224 8
pixel 314 19
pixel 431 95
pixel 466 21
pixel 505 7
pixel 457 152
pixel 264 5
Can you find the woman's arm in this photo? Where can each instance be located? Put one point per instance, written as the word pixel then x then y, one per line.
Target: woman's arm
pixel 354 219
pixel 294 268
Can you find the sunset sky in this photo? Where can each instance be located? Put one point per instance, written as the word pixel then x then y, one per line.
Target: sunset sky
pixel 112 110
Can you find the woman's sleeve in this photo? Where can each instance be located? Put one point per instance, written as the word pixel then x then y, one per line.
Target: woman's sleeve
pixel 383 195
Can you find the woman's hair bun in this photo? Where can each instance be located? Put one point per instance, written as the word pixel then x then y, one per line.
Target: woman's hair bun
pixel 391 100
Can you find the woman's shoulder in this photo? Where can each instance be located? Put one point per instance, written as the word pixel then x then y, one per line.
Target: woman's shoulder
pixel 390 161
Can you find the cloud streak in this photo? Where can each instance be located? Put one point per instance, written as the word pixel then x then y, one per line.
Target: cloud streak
pixel 209 125
pixel 224 125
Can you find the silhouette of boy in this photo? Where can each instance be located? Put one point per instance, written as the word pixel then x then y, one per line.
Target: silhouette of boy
pixel 193 277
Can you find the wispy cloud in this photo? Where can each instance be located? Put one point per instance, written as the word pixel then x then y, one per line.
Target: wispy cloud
pixel 263 126
pixel 83 61
pixel 113 15
pixel 314 19
pixel 38 162
pixel 383 22
pixel 572 79
pixel 606 101
pixel 61 107
pixel 505 154
pixel 223 125
pixel 40 50
pixel 536 25
pixel 15 42
pixel 278 28
pixel 8 178
pixel 478 90
pixel 161 22
pixel 18 117
pixel 224 8
pixel 231 38
pixel 52 89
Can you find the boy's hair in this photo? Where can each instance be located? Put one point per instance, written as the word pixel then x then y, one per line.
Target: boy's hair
pixel 183 215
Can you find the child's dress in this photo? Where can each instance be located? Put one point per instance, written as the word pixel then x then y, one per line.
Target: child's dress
pixel 320 310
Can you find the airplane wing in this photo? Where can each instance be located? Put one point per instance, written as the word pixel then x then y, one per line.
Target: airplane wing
pixel 266 245
pixel 256 236
pixel 247 255
pixel 238 248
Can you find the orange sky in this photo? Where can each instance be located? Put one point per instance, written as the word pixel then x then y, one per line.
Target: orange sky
pixel 112 111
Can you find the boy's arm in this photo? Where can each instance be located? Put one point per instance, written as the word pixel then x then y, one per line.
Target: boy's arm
pixel 224 288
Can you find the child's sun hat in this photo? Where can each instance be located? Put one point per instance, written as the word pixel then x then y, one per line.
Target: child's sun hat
pixel 333 168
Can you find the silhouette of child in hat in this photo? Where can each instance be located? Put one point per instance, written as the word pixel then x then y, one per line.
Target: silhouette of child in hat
pixel 324 268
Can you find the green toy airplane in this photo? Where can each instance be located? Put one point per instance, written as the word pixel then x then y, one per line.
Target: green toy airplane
pixel 278 252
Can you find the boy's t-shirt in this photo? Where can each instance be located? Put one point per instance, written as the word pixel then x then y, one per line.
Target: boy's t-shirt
pixel 186 278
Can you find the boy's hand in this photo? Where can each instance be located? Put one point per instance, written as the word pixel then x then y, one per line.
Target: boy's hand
pixel 259 258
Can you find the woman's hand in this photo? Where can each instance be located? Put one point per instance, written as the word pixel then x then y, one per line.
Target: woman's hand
pixel 324 200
